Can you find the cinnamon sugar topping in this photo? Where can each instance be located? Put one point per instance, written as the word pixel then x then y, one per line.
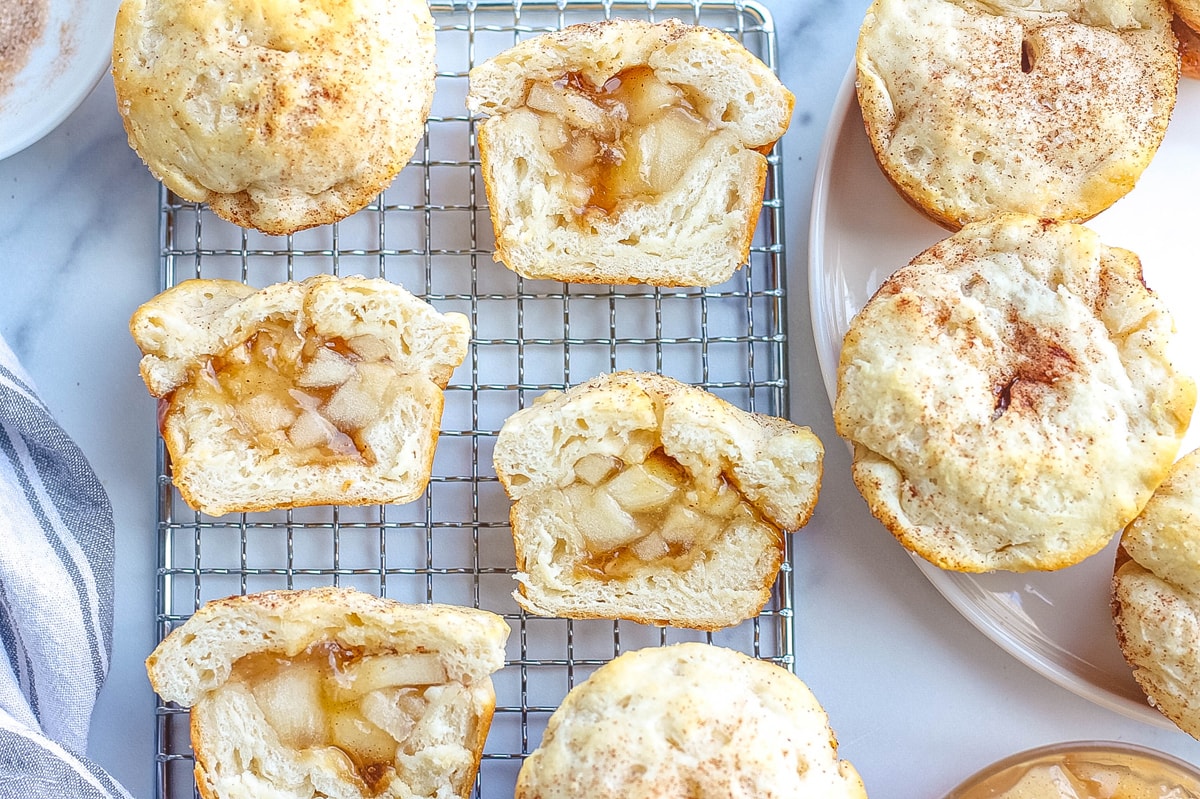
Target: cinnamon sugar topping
pixel 21 25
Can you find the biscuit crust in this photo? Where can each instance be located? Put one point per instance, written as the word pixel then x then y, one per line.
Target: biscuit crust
pixel 1010 396
pixel 1156 596
pixel 238 753
pixel 1189 47
pixel 220 460
pixel 1188 11
pixel 281 115
pixel 688 720
pixel 696 233
pixel 1051 109
pixel 772 465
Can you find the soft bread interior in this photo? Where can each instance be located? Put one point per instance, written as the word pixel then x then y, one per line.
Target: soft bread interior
pixel 637 496
pixel 307 729
pixel 612 145
pixel 333 693
pixel 329 390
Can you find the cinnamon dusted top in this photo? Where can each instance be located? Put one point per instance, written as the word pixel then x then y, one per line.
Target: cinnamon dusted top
pixel 1052 108
pixel 1010 396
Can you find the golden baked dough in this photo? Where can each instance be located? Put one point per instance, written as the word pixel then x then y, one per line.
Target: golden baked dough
pixel 327 391
pixel 1188 11
pixel 331 693
pixel 689 721
pixel 1010 396
pixel 1189 48
pixel 636 496
pixel 626 152
pixel 280 115
pixel 1052 108
pixel 1156 596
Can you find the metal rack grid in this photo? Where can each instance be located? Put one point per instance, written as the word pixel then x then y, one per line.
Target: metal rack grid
pixel 430 231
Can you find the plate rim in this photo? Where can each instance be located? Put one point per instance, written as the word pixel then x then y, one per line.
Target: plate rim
pixel 79 76
pixel 946 583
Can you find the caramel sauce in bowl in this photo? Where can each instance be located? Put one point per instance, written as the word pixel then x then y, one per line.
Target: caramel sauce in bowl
pixel 1084 770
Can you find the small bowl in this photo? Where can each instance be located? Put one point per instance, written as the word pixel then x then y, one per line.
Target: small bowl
pixel 1154 773
pixel 65 62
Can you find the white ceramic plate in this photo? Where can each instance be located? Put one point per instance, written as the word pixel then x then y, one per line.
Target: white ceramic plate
pixel 1057 623
pixel 64 66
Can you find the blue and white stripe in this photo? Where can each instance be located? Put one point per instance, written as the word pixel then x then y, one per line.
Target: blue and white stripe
pixel 56 599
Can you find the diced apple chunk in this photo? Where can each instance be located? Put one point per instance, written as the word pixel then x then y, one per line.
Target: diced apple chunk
pixel 360 400
pixel 290 700
pixel 631 139
pixel 604 524
pixel 543 97
pixel 434 726
pixel 639 489
pixel 646 510
pixel 722 503
pixel 311 429
pixel 266 413
pixel 682 526
pixel 373 672
pixel 629 176
pixel 572 107
pixel 387 709
pixel 327 368
pixel 651 548
pixel 577 495
pixel 272 345
pixel 662 466
pixel 669 144
pixel 578 153
pixel 359 738
pixel 577 192
pixel 646 96
pixel 639 446
pixel 552 132
pixel 412 702
pixel 594 468
pixel 369 348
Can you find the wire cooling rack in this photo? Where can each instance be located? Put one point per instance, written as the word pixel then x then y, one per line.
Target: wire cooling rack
pixel 430 231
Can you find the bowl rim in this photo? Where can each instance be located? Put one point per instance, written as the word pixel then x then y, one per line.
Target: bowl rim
pixel 78 39
pixel 1179 767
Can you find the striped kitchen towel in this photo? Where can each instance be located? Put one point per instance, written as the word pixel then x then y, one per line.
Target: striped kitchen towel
pixel 56 600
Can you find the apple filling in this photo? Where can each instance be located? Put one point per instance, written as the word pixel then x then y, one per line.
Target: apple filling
pixel 305 395
pixel 372 709
pixel 633 512
pixel 631 138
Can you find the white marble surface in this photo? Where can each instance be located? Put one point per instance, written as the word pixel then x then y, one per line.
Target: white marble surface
pixel 918 697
